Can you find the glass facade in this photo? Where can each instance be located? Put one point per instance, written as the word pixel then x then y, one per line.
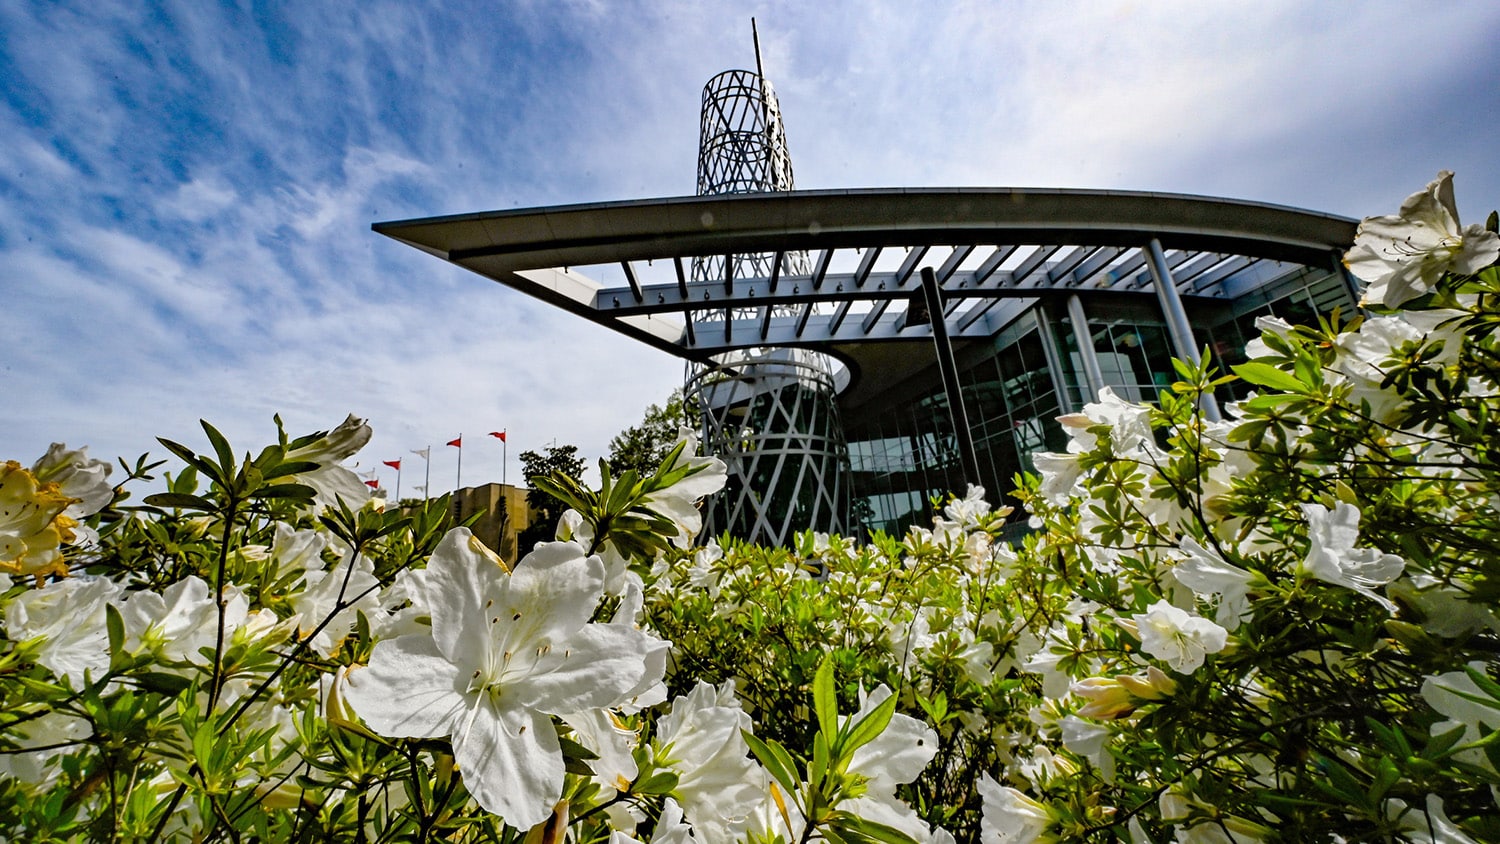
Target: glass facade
pixel 1014 388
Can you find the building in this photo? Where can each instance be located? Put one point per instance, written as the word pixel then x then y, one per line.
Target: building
pixel 854 353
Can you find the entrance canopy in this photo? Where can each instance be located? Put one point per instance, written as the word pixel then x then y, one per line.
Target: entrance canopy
pixel 626 265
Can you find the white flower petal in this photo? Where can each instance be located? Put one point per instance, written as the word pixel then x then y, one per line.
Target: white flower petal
pixel 409 689
pixel 512 764
pixel 597 667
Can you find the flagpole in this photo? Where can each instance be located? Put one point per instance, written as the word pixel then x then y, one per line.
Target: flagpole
pixel 458 481
pixel 427 480
pixel 398 482
pixel 504 456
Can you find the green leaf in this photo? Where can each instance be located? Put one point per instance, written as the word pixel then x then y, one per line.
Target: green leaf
pixel 660 782
pixel 116 627
pixel 574 750
pixel 292 491
pixel 162 683
pixel 193 460
pixel 221 446
pixel 1266 375
pixel 179 501
pixel 777 761
pixel 868 830
pixel 869 727
pixel 825 700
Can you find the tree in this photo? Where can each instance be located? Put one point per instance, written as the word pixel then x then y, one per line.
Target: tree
pixel 641 447
pixel 557 458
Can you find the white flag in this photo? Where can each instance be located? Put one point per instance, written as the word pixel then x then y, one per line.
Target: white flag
pixel 423 452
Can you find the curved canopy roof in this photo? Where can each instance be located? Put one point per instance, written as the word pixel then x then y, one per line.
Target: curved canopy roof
pixel 988 246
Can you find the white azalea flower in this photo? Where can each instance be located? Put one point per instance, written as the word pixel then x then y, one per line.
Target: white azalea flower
pixel 505 652
pixel 1009 816
pixel 1223 830
pixel 601 732
pixel 40 769
pixel 718 784
pixel 1208 574
pixel 1257 347
pixel 69 617
pixel 1129 424
pixel 1446 611
pixel 896 756
pixel 1403 256
pixel 1453 695
pixel 1177 637
pixel 1429 827
pixel 330 481
pixel 968 510
pixel 30 523
pixel 84 480
pixel 679 502
pixel 1090 741
pixel 1332 557
pixel 1059 473
pixel 353 577
pixel 183 619
pixel 670 827
pixel 297 550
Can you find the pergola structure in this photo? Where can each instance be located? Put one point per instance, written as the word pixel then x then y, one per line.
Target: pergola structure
pixel 987 247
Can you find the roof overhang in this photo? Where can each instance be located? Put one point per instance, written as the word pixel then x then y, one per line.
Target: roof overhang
pixel 987 246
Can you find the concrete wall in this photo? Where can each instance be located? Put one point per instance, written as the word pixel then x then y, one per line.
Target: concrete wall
pixel 504 515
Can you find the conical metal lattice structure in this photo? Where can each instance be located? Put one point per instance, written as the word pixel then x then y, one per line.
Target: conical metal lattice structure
pixel 742 149
pixel 768 413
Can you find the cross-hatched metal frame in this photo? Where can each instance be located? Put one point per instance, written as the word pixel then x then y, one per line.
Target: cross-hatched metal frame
pixel 742 149
pixel 772 416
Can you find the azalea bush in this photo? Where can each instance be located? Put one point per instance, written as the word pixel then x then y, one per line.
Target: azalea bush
pixel 1281 626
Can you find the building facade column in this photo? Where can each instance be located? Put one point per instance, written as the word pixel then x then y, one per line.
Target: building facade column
pixel 1084 340
pixel 1181 331
pixel 1053 356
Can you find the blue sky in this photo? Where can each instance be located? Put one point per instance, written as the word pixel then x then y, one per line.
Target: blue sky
pixel 186 188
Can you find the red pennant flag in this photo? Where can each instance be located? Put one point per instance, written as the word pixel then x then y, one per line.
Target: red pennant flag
pixel 394 464
pixel 457 442
pixel 373 484
pixel 499 435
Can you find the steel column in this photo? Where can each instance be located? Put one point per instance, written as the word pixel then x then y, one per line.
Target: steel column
pixel 1084 340
pixel 948 369
pixel 1054 358
pixel 1177 320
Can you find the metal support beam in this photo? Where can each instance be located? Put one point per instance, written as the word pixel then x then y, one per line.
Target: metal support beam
pixel 1350 282
pixel 948 369
pixel 954 259
pixel 1052 355
pixel 1084 340
pixel 866 263
pixel 993 262
pixel 912 257
pixel 1177 320
pixel 635 285
pixel 822 268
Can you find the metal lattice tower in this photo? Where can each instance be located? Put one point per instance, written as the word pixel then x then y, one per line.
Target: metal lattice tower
pixel 769 413
pixel 742 149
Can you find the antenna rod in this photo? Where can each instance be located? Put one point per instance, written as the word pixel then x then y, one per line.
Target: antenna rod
pixel 755 34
